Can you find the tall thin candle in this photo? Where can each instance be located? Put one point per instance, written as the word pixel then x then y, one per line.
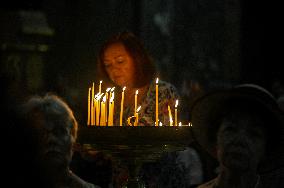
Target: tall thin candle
pixel 136 115
pixel 111 108
pixel 97 112
pixel 89 106
pixel 121 106
pixel 157 102
pixel 112 104
pixel 103 112
pixel 100 86
pixel 98 108
pixel 176 112
pixel 107 99
pixel 135 102
pixel 92 105
pixel 170 116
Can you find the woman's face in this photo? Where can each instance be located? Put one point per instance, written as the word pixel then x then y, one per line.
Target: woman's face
pixel 119 65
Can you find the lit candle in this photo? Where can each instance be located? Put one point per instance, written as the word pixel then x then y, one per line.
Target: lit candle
pixel 95 109
pixel 96 115
pixel 98 108
pixel 176 112
pixel 103 112
pixel 121 106
pixel 136 115
pixel 112 91
pixel 135 102
pixel 92 105
pixel 111 107
pixel 89 106
pixel 170 116
pixel 100 86
pixel 157 102
pixel 107 99
pixel 112 104
pixel 180 124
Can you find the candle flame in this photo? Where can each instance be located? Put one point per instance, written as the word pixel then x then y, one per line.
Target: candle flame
pixel 123 88
pixel 157 80
pixel 137 92
pixel 176 103
pixel 104 98
pixel 107 90
pixel 112 98
pixel 160 124
pixel 101 81
pixel 179 124
pixel 112 89
pixel 99 95
pixel 138 109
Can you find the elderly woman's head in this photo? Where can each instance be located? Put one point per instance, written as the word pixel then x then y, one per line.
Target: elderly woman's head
pixel 242 136
pixel 55 129
pixel 241 126
pixel 125 62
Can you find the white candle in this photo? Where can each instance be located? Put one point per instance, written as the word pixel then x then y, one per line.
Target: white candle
pixel 121 106
pixel 176 112
pixel 157 102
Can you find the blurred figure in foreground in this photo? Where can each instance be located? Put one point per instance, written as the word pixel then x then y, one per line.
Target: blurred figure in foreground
pixel 243 128
pixel 54 131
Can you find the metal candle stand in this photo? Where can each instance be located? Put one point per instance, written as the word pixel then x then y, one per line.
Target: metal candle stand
pixel 135 145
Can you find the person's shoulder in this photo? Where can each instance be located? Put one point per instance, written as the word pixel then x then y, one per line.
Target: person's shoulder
pixel 209 184
pixel 188 154
pixel 168 88
pixel 79 182
pixel 92 186
pixel 167 85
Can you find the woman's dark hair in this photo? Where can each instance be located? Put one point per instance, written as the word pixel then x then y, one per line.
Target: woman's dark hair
pixel 145 69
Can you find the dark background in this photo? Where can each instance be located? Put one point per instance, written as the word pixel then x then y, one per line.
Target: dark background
pixel 51 45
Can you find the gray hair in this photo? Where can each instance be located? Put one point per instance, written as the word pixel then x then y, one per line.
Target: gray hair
pixel 51 105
